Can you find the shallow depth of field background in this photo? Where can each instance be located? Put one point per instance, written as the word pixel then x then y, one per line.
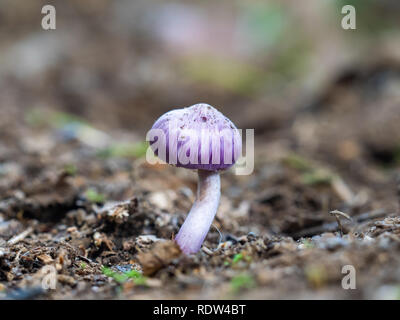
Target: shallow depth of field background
pixel 123 63
pixel 324 103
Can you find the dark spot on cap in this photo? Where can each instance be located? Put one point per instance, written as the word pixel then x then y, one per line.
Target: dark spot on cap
pixel 204 119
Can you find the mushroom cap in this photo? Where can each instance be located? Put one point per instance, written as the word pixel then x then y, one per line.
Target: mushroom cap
pixel 197 137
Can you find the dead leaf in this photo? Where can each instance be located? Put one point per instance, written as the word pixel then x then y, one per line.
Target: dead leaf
pixel 158 257
pixel 46 259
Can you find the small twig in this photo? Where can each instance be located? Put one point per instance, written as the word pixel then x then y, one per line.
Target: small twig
pixel 208 251
pixel 18 255
pixel 85 259
pixel 211 251
pixel 340 213
pixel 219 232
pixel 19 237
pixel 333 226
pixel 336 214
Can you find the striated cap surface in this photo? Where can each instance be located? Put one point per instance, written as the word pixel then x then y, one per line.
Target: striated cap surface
pixel 196 137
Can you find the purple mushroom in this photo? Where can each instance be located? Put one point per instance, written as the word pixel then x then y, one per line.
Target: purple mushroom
pixel 198 137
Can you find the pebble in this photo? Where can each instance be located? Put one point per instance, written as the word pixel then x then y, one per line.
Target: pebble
pixel 147 239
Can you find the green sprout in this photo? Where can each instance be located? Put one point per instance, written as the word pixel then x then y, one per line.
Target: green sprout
pixel 93 196
pixel 240 257
pixel 125 150
pixel 70 169
pixel 136 276
pixel 121 278
pixel 237 258
pixel 242 281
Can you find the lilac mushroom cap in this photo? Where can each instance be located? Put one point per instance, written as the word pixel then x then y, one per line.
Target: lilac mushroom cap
pixel 198 137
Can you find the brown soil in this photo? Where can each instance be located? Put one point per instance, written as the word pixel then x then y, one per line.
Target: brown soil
pixel 103 219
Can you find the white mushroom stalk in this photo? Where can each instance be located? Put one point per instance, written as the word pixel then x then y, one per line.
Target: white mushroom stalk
pixel 198 222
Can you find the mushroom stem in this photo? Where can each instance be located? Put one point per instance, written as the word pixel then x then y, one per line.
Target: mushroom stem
pixel 195 228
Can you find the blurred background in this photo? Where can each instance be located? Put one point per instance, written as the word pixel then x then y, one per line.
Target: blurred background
pixel 81 98
pixel 121 64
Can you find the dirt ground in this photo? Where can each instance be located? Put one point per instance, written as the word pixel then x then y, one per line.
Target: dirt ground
pixel 80 207
pixel 65 204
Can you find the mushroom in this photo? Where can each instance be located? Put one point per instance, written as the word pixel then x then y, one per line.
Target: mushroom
pixel 198 137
